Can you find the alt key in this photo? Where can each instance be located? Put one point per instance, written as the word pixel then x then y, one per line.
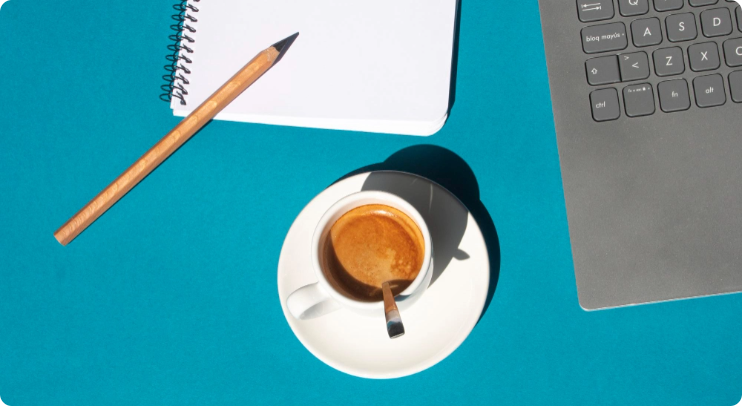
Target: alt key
pixel 709 91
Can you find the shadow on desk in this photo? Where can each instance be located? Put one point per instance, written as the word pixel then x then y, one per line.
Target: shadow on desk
pixel 454 58
pixel 446 223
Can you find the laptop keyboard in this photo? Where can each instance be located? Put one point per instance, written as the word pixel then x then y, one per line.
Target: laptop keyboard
pixel 683 45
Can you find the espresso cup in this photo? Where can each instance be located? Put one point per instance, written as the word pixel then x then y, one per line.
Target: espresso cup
pixel 322 297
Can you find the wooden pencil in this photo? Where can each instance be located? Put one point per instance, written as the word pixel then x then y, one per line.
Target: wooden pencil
pixel 173 140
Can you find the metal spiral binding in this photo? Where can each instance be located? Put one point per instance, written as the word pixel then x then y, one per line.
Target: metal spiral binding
pixel 176 77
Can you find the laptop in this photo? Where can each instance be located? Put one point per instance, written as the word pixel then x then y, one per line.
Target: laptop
pixel 647 103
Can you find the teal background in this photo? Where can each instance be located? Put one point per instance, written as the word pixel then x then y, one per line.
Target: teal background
pixel 170 298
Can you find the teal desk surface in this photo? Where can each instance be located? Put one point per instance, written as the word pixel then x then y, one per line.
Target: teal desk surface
pixel 170 298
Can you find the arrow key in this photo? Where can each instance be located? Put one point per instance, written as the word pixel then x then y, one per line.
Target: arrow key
pixel 634 66
pixel 602 71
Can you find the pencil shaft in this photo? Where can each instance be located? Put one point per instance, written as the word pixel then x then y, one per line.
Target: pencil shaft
pixel 166 146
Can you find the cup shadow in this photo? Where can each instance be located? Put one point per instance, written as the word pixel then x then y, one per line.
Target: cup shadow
pixel 446 221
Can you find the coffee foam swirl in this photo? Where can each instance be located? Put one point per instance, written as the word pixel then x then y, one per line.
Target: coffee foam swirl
pixel 370 245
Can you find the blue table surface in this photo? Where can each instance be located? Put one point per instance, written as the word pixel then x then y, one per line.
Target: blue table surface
pixel 170 298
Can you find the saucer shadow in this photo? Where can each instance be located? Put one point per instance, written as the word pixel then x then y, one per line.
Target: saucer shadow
pixel 446 221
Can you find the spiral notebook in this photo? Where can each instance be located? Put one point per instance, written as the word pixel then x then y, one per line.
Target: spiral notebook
pixel 376 66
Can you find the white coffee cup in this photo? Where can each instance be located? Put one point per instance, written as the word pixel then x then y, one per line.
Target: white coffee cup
pixel 321 298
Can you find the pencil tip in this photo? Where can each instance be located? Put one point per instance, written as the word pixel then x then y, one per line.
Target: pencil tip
pixel 283 45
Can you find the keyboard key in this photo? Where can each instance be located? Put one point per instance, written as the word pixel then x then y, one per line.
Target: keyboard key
pixel 735 85
pixel 603 70
pixel 674 95
pixel 709 91
pixel 602 38
pixel 703 56
pixel 681 27
pixel 633 7
pixel 667 5
pixel 646 32
pixel 634 66
pixel 733 52
pixel 594 10
pixel 638 100
pixel 699 3
pixel 716 22
pixel 669 61
pixel 605 105
pixel 739 18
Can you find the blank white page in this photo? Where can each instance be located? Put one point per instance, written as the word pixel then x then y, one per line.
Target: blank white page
pixel 381 66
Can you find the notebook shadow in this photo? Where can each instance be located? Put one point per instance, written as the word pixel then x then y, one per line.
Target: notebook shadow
pixel 446 221
pixel 454 58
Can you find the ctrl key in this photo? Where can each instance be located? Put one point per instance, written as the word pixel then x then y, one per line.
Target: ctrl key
pixel 604 104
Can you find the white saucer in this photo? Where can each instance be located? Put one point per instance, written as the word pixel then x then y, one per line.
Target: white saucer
pixel 435 326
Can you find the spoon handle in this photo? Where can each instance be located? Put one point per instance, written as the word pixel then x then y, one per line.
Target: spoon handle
pixel 394 325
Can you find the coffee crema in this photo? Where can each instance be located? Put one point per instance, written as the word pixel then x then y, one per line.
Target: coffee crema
pixel 370 245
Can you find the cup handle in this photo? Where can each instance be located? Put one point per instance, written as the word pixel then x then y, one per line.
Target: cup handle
pixel 309 302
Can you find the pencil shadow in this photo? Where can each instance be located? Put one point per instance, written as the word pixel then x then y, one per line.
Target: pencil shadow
pixel 454 58
pixel 446 219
